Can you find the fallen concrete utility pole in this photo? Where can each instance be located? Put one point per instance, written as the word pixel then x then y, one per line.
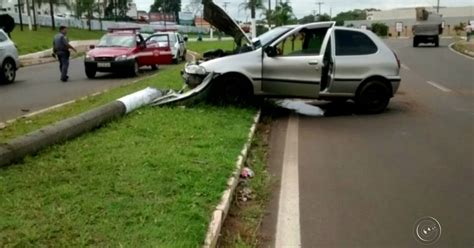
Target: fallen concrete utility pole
pixel 61 131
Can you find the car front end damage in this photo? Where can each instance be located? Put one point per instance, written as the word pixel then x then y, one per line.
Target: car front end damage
pixel 193 74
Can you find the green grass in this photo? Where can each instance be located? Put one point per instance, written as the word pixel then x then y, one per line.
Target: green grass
pixel 465 47
pixel 149 179
pixel 34 41
pixel 242 227
pixel 204 46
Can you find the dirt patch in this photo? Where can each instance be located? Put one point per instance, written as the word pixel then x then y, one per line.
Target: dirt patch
pixel 242 225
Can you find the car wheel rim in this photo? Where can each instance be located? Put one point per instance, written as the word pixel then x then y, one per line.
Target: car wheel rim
pixel 9 71
pixel 374 98
pixel 136 68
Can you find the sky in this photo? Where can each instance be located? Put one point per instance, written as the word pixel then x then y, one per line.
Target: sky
pixel 306 7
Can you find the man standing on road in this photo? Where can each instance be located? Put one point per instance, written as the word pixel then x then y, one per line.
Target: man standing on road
pixel 61 48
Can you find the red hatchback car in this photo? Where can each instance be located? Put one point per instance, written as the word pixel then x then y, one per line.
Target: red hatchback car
pixel 124 50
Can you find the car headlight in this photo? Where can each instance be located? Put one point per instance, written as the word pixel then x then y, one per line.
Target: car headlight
pixel 195 69
pixel 89 58
pixel 121 57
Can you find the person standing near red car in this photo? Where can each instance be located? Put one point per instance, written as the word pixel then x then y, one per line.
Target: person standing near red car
pixel 61 48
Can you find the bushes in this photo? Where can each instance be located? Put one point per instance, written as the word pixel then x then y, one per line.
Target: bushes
pixel 381 29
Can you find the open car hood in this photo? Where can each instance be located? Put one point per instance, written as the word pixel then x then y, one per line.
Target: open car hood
pixel 218 18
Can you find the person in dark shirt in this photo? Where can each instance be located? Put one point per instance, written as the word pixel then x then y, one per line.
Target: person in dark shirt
pixel 61 48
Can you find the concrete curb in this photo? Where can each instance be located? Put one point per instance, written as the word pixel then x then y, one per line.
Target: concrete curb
pixel 220 213
pixel 44 56
pixel 454 51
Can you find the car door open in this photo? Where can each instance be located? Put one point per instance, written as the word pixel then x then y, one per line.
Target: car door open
pixel 158 50
pixel 292 65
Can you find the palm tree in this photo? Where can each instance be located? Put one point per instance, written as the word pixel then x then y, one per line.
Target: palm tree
pixel 283 14
pixel 253 5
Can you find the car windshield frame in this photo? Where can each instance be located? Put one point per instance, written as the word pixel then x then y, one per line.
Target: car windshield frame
pixel 267 38
pixel 104 41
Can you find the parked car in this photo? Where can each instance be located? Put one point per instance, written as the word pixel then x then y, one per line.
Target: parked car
pixel 178 45
pixel 9 59
pixel 315 60
pixel 125 51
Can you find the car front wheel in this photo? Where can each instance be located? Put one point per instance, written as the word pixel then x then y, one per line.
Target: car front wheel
pixel 135 69
pixel 90 73
pixel 231 89
pixel 373 98
pixel 8 72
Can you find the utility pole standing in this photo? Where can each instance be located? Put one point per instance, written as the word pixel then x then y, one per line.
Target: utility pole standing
pixel 437 7
pixel 20 5
pixel 225 5
pixel 319 4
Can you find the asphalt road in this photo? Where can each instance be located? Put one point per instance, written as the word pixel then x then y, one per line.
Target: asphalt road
pixel 365 181
pixel 38 87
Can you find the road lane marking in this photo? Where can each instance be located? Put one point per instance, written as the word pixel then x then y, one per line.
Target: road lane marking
pixel 439 87
pixel 405 67
pixel 288 224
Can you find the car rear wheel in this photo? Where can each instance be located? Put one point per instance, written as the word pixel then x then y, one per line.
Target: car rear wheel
pixel 183 58
pixel 8 73
pixel 415 42
pixel 231 89
pixel 436 43
pixel 154 67
pixel 90 73
pixel 373 98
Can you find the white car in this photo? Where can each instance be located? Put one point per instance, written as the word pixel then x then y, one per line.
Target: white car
pixel 9 60
pixel 178 46
pixel 314 60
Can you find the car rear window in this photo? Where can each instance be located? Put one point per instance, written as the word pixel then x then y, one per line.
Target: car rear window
pixel 353 43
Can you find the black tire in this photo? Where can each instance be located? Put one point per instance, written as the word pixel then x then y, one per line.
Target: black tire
pixel 436 44
pixel 175 61
pixel 373 97
pixel 154 67
pixel 90 73
pixel 231 89
pixel 8 71
pixel 134 69
pixel 183 58
pixel 415 42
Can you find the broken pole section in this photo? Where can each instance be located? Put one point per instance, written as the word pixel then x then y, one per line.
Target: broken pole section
pixel 61 131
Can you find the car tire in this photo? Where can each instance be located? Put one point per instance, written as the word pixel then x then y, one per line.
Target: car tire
pixel 373 98
pixel 8 72
pixel 436 44
pixel 183 58
pixel 231 89
pixel 135 69
pixel 415 42
pixel 154 67
pixel 90 73
pixel 176 61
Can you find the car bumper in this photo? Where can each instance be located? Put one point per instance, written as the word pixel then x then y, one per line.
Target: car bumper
pixel 192 80
pixel 110 66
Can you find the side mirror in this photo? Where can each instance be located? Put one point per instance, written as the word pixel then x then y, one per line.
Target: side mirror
pixel 271 51
pixel 185 38
pixel 91 47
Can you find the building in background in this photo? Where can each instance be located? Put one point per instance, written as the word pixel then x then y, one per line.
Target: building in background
pixel 402 19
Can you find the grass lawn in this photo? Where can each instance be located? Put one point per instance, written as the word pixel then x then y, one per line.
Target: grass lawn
pixel 151 178
pixel 465 47
pixel 205 46
pixel 34 41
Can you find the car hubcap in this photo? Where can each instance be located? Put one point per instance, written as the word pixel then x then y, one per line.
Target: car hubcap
pixel 9 71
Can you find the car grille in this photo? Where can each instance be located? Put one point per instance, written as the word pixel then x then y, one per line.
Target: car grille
pixel 104 59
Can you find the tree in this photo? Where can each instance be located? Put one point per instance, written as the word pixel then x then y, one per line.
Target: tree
pixel 324 18
pixel 350 15
pixel 167 6
pixel 284 14
pixel 253 6
pixel 381 29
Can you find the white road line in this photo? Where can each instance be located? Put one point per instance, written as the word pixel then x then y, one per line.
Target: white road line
pixel 288 224
pixel 405 67
pixel 439 87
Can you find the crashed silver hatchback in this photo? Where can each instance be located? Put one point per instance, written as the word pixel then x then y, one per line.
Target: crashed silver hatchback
pixel 315 60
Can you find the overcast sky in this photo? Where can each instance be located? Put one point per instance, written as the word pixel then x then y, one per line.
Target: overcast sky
pixel 306 7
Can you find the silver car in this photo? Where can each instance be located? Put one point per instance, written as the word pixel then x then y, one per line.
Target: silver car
pixel 9 60
pixel 178 46
pixel 316 60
